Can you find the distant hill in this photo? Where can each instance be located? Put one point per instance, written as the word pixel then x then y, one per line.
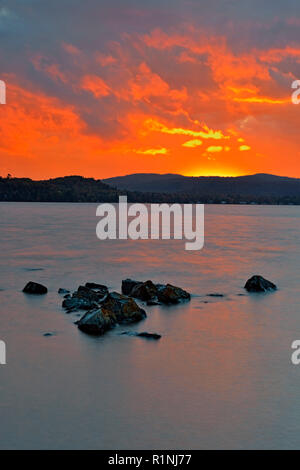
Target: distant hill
pixel 257 189
pixel 249 186
pixel 65 189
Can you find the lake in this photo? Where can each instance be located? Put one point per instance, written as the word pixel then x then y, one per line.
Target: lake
pixel 220 377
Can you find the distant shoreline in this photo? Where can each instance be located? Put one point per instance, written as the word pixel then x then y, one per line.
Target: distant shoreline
pixel 249 190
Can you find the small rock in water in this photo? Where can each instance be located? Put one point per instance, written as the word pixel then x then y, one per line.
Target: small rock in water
pixel 143 334
pixel 152 302
pixel 63 291
pixel 35 288
pixel 259 284
pixel 215 295
pixel 48 334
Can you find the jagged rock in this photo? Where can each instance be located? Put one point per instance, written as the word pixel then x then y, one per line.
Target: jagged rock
pixel 124 308
pixel 35 288
pixel 99 288
pixel 144 291
pixel 86 298
pixel 96 322
pixel 259 284
pixel 63 291
pixel 154 293
pixel 143 334
pixel 153 302
pixel 127 285
pixel 115 308
pixel 169 294
pixel 78 303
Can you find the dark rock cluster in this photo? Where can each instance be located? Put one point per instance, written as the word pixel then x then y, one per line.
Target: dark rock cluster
pixel 106 309
pixel 154 293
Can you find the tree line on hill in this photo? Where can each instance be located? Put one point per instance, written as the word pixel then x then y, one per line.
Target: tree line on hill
pixel 80 189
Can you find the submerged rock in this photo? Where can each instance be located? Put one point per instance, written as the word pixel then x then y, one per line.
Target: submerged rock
pixel 154 294
pixel 35 288
pixel 63 291
pixel 143 334
pixel 215 295
pixel 259 284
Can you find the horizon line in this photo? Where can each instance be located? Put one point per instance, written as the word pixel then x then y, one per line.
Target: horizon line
pixel 146 173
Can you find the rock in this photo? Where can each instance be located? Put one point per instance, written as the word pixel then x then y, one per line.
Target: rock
pixel 127 285
pixel 144 291
pixel 96 322
pixel 115 308
pixel 97 287
pixel 143 334
pixel 152 293
pixel 124 308
pixel 152 302
pixel 35 288
pixel 259 284
pixel 86 298
pixel 63 291
pixel 215 295
pixel 48 334
pixel 78 303
pixel 169 294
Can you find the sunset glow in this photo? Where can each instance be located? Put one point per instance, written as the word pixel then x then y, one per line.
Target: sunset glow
pixel 177 97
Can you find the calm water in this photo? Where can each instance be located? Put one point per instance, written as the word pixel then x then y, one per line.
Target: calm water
pixel 220 377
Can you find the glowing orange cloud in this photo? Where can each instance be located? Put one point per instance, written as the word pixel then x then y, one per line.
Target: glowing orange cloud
pixel 192 143
pixel 205 134
pixel 244 147
pixel 113 110
pixel 214 149
pixel 161 151
pixel 95 85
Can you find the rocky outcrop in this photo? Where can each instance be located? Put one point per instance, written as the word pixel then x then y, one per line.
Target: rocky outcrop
pixel 86 298
pixel 154 294
pixel 35 288
pixel 259 284
pixel 114 309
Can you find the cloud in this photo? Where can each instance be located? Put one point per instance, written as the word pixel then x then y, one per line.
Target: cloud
pixel 192 143
pixel 119 77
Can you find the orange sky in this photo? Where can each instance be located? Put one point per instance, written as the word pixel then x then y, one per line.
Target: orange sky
pixel 163 100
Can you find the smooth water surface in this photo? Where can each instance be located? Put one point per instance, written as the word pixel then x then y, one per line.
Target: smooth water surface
pixel 221 375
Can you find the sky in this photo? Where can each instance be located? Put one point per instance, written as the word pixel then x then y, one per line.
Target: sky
pixel 106 88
